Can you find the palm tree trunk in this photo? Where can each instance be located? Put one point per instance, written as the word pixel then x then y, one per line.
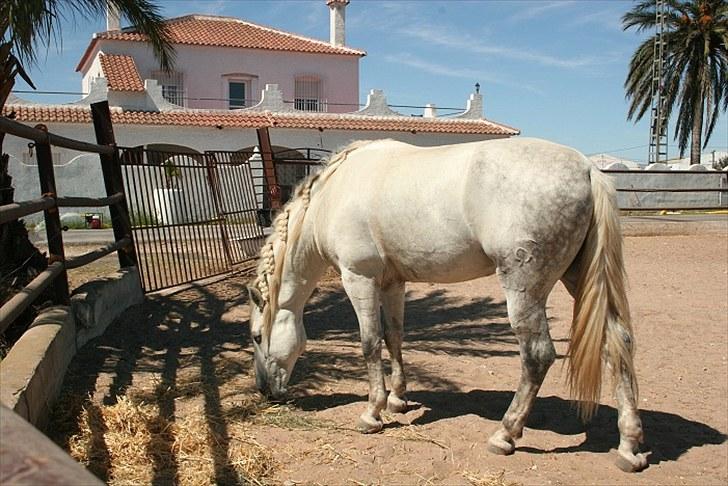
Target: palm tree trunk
pixel 696 137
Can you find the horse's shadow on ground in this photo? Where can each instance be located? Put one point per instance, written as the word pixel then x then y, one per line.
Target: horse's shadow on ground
pixel 668 436
pixel 435 321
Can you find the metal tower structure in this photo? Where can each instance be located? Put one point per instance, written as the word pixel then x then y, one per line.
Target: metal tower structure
pixel 658 119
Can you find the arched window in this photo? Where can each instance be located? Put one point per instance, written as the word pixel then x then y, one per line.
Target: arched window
pixel 309 93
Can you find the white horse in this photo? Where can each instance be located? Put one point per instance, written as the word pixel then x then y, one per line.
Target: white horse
pixel 384 213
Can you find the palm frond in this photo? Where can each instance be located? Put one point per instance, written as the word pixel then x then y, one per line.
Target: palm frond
pixel 639 81
pixel 31 24
pixel 642 16
pixel 695 77
pixel 717 91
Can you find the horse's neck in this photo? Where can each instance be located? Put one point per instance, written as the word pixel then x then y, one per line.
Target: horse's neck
pixel 302 270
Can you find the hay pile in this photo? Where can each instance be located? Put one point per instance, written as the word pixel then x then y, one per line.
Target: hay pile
pixel 130 442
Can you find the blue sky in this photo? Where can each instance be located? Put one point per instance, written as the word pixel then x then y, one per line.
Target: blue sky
pixel 553 69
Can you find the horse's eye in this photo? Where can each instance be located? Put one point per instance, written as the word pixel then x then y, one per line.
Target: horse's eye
pixel 258 339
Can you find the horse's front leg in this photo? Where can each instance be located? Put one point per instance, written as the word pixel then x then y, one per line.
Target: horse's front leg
pixel 364 295
pixel 393 307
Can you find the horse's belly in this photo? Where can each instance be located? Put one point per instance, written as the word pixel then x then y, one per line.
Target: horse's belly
pixel 442 266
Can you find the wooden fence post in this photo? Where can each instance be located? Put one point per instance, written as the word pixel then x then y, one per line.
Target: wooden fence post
pixel 269 170
pixel 113 181
pixel 54 230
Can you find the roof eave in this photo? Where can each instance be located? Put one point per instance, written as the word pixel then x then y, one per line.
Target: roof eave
pixel 283 121
pixel 87 53
pixel 350 51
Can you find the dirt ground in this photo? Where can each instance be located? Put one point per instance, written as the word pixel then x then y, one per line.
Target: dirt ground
pixel 189 354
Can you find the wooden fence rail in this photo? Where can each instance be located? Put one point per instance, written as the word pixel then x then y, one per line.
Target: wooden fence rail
pixel 17 210
pixel 41 136
pixel 55 275
pixel 11 212
pixel 22 300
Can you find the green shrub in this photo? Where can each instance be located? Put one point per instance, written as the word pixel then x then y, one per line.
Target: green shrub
pixel 142 218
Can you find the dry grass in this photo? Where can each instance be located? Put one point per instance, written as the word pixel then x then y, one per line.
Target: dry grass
pixel 413 433
pixel 287 417
pixel 133 442
pixel 478 479
pixel 130 442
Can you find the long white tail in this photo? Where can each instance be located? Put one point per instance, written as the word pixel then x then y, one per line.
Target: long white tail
pixel 601 326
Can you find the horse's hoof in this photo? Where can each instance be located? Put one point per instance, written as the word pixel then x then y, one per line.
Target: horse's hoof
pixel 367 425
pixel 396 404
pixel 635 463
pixel 501 447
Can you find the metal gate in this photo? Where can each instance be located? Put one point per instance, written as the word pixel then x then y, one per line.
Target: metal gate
pixel 193 215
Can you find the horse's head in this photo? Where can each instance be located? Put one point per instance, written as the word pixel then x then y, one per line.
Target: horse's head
pixel 278 340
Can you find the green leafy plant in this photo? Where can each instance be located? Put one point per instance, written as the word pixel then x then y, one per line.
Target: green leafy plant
pixel 142 218
pixel 172 174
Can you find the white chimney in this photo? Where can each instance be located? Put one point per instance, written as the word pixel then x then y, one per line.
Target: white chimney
pixel 113 17
pixel 337 21
pixel 430 111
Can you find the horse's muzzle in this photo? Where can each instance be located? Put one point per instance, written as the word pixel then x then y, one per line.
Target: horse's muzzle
pixel 268 391
pixel 272 395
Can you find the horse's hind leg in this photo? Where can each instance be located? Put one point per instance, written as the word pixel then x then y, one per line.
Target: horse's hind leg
pixel 364 295
pixel 629 423
pixel 527 314
pixel 393 307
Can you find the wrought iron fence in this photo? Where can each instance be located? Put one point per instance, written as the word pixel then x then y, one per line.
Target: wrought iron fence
pixel 197 215
pixel 193 215
pixel 274 184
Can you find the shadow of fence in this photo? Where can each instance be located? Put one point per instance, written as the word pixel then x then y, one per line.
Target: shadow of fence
pixel 162 337
pixel 170 336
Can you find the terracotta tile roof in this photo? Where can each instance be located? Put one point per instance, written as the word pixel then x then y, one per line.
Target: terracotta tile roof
pixel 206 30
pixel 253 119
pixel 121 72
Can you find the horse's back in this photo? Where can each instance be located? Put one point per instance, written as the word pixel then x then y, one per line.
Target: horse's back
pixel 529 189
pixel 444 213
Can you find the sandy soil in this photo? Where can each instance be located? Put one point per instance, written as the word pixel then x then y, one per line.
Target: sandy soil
pixel 462 365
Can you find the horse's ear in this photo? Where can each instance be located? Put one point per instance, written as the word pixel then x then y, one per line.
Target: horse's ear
pixel 255 296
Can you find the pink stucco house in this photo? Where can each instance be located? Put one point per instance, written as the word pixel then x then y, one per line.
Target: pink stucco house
pixel 224 63
pixel 240 92
pixel 231 77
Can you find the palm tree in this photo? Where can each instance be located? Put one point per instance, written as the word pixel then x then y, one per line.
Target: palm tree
pixel 696 67
pixel 27 27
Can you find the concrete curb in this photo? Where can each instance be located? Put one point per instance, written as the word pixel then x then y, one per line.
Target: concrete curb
pixel 32 373
pixel 98 303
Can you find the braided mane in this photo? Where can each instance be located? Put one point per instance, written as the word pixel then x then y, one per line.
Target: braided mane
pixel 270 269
